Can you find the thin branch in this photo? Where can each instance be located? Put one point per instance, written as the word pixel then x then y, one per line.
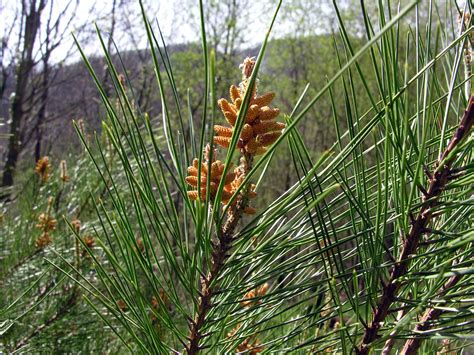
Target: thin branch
pixel 63 311
pixel 412 345
pixel 440 178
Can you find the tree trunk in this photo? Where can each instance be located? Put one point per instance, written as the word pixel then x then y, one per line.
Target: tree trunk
pixel 25 66
pixel 42 109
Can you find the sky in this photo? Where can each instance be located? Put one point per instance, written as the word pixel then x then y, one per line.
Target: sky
pixel 80 19
pixel 173 17
pixel 179 23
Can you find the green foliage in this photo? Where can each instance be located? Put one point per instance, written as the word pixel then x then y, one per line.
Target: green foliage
pixel 41 309
pixel 374 218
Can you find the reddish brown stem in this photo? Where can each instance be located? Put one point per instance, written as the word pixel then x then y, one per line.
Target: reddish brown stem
pixel 437 183
pixel 219 254
pixel 412 345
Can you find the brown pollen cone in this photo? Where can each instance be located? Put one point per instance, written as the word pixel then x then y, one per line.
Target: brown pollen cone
pixel 43 167
pixel 260 129
pixel 232 188
pixel 43 240
pixel 46 223
pixel 215 176
pixel 249 298
pixel 90 242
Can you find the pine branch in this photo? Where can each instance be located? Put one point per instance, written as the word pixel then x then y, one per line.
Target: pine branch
pixel 437 183
pixel 61 313
pixel 219 255
pixel 412 345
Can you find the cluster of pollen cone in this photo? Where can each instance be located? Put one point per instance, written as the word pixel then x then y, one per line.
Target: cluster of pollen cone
pixel 232 181
pixel 260 130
